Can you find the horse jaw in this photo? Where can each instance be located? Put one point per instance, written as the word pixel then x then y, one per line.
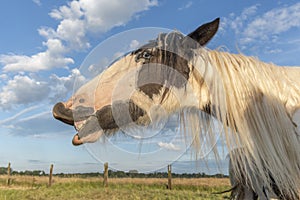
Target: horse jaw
pixel 88 131
pixel 76 141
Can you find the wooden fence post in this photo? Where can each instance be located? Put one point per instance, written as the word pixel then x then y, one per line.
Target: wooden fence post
pixel 169 177
pixel 8 174
pixel 50 175
pixel 105 175
pixel 33 182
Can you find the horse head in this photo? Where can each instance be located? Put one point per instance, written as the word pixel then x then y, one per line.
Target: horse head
pixel 149 82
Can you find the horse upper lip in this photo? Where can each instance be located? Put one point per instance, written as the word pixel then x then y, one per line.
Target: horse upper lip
pixel 63 114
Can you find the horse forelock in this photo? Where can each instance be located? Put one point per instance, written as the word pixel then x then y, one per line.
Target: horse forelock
pixel 165 40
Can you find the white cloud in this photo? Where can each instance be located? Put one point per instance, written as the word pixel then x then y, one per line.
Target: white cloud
pixel 262 33
pixel 51 58
pixel 186 6
pixel 273 22
pixel 77 19
pixel 168 146
pixel 20 113
pixel 40 124
pixel 3 78
pixel 264 27
pixel 37 2
pixel 70 11
pixel 134 44
pixel 23 90
pixel 102 15
pixel 73 32
pixel 237 22
pixel 62 86
pixel 274 51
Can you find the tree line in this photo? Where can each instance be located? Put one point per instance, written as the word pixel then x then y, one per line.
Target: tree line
pixel 114 174
pixel 3 170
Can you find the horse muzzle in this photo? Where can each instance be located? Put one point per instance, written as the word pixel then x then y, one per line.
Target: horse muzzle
pixel 61 113
pixel 91 125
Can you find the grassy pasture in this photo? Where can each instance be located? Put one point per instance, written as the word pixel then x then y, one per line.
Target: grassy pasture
pixel 31 188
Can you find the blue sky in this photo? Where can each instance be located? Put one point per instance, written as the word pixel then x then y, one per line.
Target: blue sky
pixel 43 44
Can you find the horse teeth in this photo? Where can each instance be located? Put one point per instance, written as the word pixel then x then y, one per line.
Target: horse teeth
pixel 79 125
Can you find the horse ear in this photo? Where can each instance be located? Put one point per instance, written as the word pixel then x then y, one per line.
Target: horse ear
pixel 203 34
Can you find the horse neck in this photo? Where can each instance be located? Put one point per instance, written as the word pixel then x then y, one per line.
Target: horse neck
pixel 247 74
pixel 252 99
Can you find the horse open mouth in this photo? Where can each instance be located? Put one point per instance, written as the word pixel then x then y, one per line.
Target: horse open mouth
pixel 91 125
pixel 88 131
pixel 86 124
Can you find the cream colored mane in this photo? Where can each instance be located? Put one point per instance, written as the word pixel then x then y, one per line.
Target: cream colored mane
pixel 258 101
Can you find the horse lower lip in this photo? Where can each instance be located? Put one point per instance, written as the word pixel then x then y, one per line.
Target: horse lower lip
pixel 76 140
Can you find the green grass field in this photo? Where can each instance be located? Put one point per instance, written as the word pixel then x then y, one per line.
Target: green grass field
pixel 30 188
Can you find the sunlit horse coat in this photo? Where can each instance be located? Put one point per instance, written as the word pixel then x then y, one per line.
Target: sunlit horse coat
pixel 258 102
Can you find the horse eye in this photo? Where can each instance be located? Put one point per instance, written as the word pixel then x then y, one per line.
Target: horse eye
pixel 81 100
pixel 146 55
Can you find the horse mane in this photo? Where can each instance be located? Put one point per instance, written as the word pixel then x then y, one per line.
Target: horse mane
pixel 252 100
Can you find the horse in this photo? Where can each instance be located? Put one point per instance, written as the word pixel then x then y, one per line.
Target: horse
pixel 240 189
pixel 257 104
